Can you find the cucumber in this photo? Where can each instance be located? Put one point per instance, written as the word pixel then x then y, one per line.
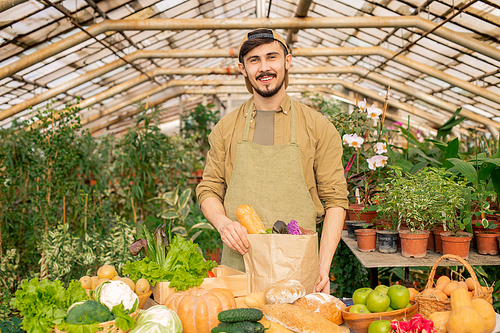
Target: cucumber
pixel 246 326
pixel 234 315
pixel 227 329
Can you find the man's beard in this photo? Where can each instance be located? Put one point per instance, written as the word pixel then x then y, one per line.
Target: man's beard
pixel 268 93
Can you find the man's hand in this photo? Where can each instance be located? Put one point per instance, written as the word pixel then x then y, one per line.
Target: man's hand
pixel 234 235
pixel 323 285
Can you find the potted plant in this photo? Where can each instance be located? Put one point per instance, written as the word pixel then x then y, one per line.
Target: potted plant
pixel 413 200
pixel 454 209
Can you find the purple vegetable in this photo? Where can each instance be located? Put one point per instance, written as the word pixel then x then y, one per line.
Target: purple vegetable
pixel 293 228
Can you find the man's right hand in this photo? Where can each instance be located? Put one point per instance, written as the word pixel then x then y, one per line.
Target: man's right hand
pixel 234 235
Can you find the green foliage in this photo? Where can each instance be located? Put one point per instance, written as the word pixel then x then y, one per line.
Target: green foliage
pixel 13 325
pixel 54 173
pixel 197 125
pixel 44 304
pixel 348 272
pixel 423 200
pixel 67 256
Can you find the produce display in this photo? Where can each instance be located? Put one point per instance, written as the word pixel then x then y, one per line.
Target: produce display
pixel 108 302
pixel 47 305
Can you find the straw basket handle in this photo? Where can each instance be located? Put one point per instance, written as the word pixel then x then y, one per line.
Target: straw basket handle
pixel 477 291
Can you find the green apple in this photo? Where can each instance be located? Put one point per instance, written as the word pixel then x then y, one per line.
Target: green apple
pixel 360 295
pixel 399 295
pixel 377 301
pixel 379 326
pixel 389 309
pixel 383 289
pixel 358 308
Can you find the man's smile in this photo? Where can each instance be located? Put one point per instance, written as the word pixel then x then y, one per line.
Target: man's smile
pixel 266 78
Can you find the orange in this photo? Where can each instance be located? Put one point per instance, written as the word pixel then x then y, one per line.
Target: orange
pixel 413 292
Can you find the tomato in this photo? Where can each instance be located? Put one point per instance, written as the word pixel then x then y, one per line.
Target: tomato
pixel 377 301
pixel 211 274
pixel 399 295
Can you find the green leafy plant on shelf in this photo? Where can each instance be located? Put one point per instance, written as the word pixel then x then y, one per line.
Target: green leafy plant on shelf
pixel 67 256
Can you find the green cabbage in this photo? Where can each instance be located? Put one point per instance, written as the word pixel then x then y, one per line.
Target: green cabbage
pixel 157 319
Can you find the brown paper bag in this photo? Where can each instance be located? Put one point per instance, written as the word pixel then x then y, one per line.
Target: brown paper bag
pixel 274 257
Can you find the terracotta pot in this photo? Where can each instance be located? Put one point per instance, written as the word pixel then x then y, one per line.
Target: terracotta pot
pixel 437 240
pixel 431 245
pixel 367 239
pixel 414 245
pixel 213 255
pixel 487 242
pixel 360 225
pixel 355 213
pixel 458 245
pixel 480 228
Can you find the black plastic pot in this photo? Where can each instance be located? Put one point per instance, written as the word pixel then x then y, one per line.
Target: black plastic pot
pixel 387 241
pixel 360 225
pixel 350 230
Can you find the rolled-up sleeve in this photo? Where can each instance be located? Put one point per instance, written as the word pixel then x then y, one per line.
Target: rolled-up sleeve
pixel 213 183
pixel 331 183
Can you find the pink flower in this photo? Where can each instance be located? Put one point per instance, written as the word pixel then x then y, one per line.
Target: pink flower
pixel 381 148
pixel 362 105
pixel 377 161
pixel 373 112
pixel 352 140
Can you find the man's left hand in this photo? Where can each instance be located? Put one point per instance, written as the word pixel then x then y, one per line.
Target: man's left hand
pixel 323 285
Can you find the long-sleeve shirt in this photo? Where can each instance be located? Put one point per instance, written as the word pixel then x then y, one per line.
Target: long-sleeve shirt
pixel 320 147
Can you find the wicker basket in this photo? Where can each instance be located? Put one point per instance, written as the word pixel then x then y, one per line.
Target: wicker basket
pixel 430 304
pixel 106 327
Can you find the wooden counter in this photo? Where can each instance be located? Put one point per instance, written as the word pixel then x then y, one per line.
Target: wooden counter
pixel 377 259
pixel 373 260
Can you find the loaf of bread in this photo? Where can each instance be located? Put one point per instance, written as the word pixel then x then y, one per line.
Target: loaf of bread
pixel 323 304
pixel 255 300
pixel 284 291
pixel 298 319
pixel 272 327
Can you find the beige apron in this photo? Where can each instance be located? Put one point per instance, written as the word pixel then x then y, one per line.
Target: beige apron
pixel 270 179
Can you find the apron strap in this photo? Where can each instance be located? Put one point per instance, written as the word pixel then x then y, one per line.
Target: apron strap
pixel 247 122
pixel 293 134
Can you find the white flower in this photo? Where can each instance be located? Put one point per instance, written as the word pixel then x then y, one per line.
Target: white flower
pixel 381 148
pixel 373 112
pixel 352 140
pixel 377 161
pixel 362 105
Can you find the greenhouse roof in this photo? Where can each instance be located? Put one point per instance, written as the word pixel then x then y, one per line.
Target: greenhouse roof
pixel 436 56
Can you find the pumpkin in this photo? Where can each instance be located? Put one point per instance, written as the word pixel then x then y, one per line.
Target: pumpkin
pixel 486 311
pixel 440 319
pixel 198 308
pixel 459 298
pixel 465 320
